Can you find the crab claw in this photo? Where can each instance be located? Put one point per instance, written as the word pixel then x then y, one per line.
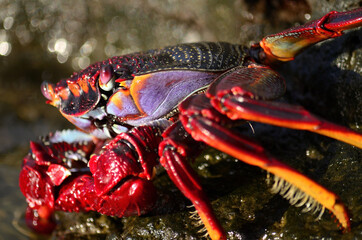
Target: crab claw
pixel 39 193
pixel 116 163
pixel 49 164
pixel 121 174
pixel 112 166
pixel 36 187
pixel 40 173
pixel 129 154
pixel 134 196
pixel 41 220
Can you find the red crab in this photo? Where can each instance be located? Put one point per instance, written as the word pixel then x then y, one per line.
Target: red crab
pixel 162 106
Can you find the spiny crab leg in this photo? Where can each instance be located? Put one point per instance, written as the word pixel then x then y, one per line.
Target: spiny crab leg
pixel 248 104
pixel 174 150
pixel 297 188
pixel 284 46
pixel 287 115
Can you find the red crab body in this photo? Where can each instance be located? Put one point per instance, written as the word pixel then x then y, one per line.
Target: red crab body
pixel 161 107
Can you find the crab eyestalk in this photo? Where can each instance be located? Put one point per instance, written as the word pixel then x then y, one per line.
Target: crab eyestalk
pixel 106 78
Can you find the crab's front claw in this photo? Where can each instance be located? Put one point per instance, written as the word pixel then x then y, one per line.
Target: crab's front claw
pixel 136 196
pixel 116 189
pixel 50 162
pixel 37 188
pixel 115 163
pixel 132 196
pixel 39 193
pixel 121 173
pixel 284 46
pixel 38 179
pixel 38 222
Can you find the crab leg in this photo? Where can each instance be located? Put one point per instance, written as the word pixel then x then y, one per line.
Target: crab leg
pixel 174 150
pixel 284 46
pixel 290 116
pixel 244 102
pixel 204 125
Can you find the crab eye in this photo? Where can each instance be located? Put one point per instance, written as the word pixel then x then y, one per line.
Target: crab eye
pixel 106 78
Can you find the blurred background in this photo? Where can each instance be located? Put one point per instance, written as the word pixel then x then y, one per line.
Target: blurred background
pixel 47 40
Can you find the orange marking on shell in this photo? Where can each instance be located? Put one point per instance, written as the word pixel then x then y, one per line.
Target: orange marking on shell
pixel 74 88
pixel 83 83
pixel 138 83
pixel 117 101
pixel 63 93
pixel 124 89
